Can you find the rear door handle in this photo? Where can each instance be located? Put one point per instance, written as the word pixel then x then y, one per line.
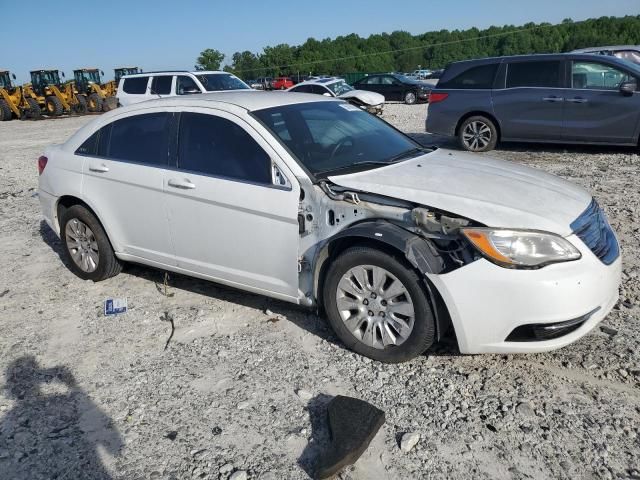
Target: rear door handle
pixel 183 184
pixel 553 99
pixel 99 168
pixel 577 100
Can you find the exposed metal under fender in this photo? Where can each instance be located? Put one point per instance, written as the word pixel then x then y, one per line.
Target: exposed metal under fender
pixel 418 251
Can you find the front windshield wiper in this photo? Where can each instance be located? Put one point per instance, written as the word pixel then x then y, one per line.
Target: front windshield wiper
pixel 352 165
pixel 409 153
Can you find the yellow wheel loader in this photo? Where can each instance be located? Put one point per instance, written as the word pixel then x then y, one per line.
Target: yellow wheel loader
pixel 52 95
pixel 13 102
pixel 99 97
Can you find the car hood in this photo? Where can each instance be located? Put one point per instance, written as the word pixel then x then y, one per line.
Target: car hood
pixel 368 98
pixel 493 192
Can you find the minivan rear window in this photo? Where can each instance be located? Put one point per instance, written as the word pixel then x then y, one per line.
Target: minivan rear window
pixel 477 77
pixel 135 85
pixel 534 74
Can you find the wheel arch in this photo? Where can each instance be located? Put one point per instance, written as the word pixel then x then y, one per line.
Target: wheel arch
pixel 67 201
pixel 416 252
pixel 479 113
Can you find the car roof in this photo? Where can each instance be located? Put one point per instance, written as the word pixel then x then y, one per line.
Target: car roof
pixel 537 56
pixel 608 47
pixel 175 72
pixel 249 100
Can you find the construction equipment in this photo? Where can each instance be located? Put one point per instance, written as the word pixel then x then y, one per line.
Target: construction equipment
pixel 52 95
pixel 111 87
pixel 98 97
pixel 14 102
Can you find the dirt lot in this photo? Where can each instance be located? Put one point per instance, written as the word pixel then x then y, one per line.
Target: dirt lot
pixel 84 396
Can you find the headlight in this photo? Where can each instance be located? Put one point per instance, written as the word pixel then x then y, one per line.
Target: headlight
pixel 521 248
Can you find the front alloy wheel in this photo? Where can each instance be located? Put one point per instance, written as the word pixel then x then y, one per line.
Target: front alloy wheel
pixel 377 305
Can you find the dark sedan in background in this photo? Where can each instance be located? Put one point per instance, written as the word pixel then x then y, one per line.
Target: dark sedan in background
pixel 395 87
pixel 560 98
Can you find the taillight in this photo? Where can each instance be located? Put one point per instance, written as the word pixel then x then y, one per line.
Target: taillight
pixel 42 162
pixel 437 97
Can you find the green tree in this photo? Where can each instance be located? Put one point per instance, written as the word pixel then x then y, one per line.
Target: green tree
pixel 209 59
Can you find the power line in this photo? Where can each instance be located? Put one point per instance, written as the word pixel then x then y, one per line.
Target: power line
pixel 420 47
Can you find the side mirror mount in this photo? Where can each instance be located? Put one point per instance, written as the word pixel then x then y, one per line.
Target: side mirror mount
pixel 13 75
pixel 62 74
pixel 628 88
pixel 101 73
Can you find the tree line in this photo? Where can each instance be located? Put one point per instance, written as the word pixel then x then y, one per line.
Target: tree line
pixel 402 51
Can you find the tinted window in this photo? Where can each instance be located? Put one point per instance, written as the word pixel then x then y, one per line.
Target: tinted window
pixel 216 146
pixel 302 89
pixel 161 85
pixel 319 90
pixel 480 76
pixel 533 74
pixel 135 85
pixel 186 85
pixel 89 146
pixel 371 80
pixel 141 139
pixel 597 76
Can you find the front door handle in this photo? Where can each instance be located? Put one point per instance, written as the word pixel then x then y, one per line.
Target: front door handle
pixel 577 100
pixel 553 99
pixel 183 184
pixel 99 168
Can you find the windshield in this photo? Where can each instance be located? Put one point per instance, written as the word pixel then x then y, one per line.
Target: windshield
pixel 47 78
pixel 91 76
pixel 213 82
pixel 336 137
pixel 338 88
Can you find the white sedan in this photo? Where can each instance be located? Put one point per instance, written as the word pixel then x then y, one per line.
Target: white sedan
pixel 311 200
pixel 336 87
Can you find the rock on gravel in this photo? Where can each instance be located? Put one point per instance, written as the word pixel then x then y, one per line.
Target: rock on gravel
pixel 239 475
pixel 408 441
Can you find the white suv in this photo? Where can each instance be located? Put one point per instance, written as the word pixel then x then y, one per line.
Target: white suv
pixel 313 201
pixel 149 85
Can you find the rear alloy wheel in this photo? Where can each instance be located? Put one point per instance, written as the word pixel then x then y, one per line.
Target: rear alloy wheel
pixel 478 134
pixel 377 306
pixel 86 246
pixel 54 106
pixel 410 98
pixel 5 111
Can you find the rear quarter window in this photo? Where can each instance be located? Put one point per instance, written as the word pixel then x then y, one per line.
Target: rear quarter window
pixel 135 85
pixel 478 77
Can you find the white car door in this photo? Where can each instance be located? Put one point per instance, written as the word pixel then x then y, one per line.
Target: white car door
pixel 123 177
pixel 229 220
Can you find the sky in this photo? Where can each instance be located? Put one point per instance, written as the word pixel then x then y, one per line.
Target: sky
pixel 169 34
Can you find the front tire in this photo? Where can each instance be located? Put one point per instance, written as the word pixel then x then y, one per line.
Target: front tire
pixel 86 247
pixel 54 106
pixel 95 103
pixel 34 111
pixel 5 111
pixel 81 106
pixel 478 134
pixel 377 306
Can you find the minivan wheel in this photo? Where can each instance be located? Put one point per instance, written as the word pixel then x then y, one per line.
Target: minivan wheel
pixel 377 306
pixel 478 134
pixel 410 98
pixel 87 249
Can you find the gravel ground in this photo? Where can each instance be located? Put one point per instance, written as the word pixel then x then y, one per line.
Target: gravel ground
pixel 84 396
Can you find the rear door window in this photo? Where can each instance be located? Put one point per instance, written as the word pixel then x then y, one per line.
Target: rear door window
pixel 135 85
pixel 544 73
pixel 140 139
pixel 186 85
pixel 161 85
pixel 478 77
pixel 215 146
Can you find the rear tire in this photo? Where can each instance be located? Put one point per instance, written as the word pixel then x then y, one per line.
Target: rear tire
pixel 34 109
pixel 410 98
pixel 54 106
pixel 5 111
pixel 86 247
pixel 81 106
pixel 95 103
pixel 406 316
pixel 110 103
pixel 478 134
